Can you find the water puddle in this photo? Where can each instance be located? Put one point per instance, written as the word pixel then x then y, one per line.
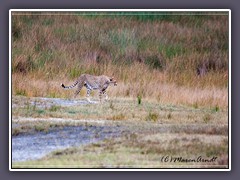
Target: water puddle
pixel 48 102
pixel 41 102
pixel 35 146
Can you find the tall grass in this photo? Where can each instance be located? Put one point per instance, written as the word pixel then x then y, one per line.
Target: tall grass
pixel 155 55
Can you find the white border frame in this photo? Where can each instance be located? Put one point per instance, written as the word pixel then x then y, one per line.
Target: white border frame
pixel 117 10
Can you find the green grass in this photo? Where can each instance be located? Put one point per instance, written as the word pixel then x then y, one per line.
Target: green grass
pixel 123 42
pixel 172 50
pixel 119 109
pixel 139 99
pixel 54 108
pixel 21 92
pixel 75 72
pixel 48 22
pixel 216 108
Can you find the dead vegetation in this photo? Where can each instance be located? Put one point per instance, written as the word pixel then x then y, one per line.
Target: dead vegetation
pixel 184 59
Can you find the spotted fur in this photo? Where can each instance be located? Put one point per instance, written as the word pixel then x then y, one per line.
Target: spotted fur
pixel 92 82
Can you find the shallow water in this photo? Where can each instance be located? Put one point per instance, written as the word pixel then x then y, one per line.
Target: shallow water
pixel 48 102
pixel 35 146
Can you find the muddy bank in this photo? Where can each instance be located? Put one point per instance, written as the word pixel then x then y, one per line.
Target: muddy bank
pixel 34 146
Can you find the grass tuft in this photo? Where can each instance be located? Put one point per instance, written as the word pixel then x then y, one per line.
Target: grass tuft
pixel 216 108
pixel 152 117
pixel 207 118
pixel 120 116
pixel 54 108
pixel 139 99
pixel 21 92
pixel 169 115
pixel 40 128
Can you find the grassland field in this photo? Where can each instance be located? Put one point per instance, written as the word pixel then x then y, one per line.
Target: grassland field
pixel 172 93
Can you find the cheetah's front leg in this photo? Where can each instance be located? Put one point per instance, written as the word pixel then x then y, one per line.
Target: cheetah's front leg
pixel 88 94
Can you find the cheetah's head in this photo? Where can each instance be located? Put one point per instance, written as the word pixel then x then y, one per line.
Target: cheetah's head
pixel 112 80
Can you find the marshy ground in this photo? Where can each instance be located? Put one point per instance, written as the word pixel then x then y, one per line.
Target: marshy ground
pixel 65 133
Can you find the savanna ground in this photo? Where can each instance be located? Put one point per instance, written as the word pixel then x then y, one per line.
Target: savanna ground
pixel 172 93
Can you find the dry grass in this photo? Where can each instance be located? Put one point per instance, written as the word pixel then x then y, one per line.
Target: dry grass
pixel 153 90
pixel 172 92
pixel 155 57
pixel 151 131
pixel 120 110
